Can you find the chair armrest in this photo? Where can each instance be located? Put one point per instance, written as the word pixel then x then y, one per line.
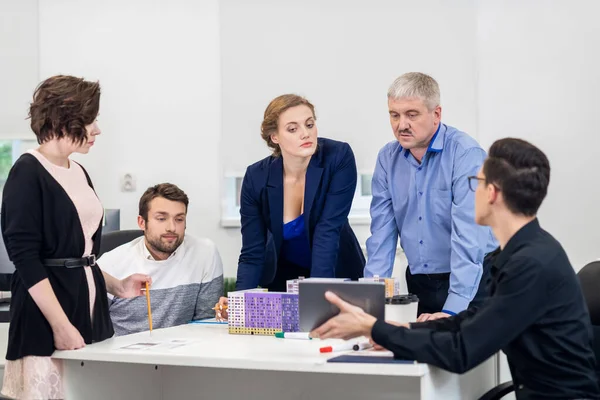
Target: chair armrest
pixel 499 391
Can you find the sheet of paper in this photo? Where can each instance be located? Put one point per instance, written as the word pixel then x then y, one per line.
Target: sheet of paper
pixel 138 346
pixel 175 343
pixel 158 345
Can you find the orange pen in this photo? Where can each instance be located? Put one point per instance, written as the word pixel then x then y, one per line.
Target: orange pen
pixel 149 308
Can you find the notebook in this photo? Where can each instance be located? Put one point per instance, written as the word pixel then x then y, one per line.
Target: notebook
pixel 369 357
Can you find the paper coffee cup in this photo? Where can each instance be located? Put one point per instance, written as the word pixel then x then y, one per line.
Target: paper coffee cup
pixel 402 308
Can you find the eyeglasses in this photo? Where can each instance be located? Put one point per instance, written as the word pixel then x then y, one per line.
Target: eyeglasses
pixel 474 182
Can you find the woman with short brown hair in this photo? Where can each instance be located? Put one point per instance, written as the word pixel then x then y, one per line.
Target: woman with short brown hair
pixel 51 225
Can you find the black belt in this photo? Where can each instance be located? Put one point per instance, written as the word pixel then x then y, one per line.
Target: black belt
pixel 443 276
pixel 88 261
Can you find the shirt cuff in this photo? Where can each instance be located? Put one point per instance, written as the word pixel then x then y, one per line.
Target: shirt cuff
pixel 455 304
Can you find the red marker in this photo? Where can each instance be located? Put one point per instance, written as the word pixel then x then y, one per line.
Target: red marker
pixel 338 347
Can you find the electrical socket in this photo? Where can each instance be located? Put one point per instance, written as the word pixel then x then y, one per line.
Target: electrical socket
pixel 128 183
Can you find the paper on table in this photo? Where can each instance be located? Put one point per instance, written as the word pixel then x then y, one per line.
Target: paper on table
pixel 173 344
pixel 139 346
pixel 167 345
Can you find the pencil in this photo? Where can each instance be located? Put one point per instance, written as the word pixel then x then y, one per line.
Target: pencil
pixel 149 308
pixel 222 307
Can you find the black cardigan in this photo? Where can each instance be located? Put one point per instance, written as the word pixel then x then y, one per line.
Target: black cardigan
pixel 39 221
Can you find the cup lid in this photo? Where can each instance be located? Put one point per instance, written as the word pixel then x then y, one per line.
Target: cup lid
pixel 402 299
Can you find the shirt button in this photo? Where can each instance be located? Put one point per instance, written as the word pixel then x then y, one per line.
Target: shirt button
pixel 418 169
pixel 420 241
pixel 420 218
pixel 425 265
pixel 420 193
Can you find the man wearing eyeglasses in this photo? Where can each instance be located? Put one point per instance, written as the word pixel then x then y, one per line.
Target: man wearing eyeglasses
pixel 536 312
pixel 421 193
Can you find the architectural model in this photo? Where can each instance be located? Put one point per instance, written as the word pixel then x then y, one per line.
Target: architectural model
pixel 259 312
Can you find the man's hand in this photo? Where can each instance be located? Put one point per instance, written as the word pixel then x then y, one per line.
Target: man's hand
pixel 351 322
pixel 133 286
pixel 220 308
pixel 431 317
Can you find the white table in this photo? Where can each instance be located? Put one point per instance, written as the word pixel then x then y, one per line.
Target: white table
pixel 223 366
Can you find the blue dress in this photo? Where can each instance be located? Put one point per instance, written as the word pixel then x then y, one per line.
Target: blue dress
pixel 295 247
pixel 295 258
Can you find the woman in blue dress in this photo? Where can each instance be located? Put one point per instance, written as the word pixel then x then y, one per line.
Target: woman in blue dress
pixel 295 203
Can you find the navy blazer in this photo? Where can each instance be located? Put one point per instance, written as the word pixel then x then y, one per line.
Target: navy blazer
pixel 328 193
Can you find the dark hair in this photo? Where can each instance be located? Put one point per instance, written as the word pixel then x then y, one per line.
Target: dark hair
pixel 164 190
pixel 274 110
pixel 521 171
pixel 64 106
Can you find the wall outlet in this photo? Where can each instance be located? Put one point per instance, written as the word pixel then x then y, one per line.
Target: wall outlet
pixel 128 183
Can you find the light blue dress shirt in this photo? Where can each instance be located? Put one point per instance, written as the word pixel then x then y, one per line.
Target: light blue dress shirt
pixel 432 208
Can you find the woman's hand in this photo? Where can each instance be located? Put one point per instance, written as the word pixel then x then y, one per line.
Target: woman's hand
pixel 67 337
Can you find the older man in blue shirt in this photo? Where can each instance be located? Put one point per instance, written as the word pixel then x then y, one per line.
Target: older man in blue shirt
pixel 421 192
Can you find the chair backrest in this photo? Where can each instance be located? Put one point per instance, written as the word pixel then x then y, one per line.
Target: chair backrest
pixel 6 267
pixel 112 220
pixel 589 279
pixel 112 240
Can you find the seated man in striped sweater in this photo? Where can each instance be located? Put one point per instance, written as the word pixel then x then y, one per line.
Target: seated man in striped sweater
pixel 187 273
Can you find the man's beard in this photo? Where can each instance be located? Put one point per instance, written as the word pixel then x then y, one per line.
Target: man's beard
pixel 158 245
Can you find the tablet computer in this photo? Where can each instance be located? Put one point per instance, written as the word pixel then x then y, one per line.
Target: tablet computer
pixel 315 309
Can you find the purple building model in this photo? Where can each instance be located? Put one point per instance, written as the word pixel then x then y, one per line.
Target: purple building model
pixel 258 312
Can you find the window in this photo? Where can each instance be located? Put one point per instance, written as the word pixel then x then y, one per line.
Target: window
pixel 359 213
pixel 230 216
pixel 365 184
pixel 10 151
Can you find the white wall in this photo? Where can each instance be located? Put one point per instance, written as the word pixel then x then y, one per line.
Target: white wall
pixel 521 68
pixel 539 80
pixel 158 63
pixel 342 55
pixel 18 64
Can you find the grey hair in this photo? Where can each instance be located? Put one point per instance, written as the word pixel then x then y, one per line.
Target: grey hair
pixel 416 84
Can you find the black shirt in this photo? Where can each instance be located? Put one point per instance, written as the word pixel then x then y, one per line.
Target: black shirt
pixel 535 313
pixel 39 221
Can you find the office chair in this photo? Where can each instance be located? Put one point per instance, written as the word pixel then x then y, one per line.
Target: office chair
pixel 589 279
pixel 112 240
pixel 112 220
pixel 6 268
